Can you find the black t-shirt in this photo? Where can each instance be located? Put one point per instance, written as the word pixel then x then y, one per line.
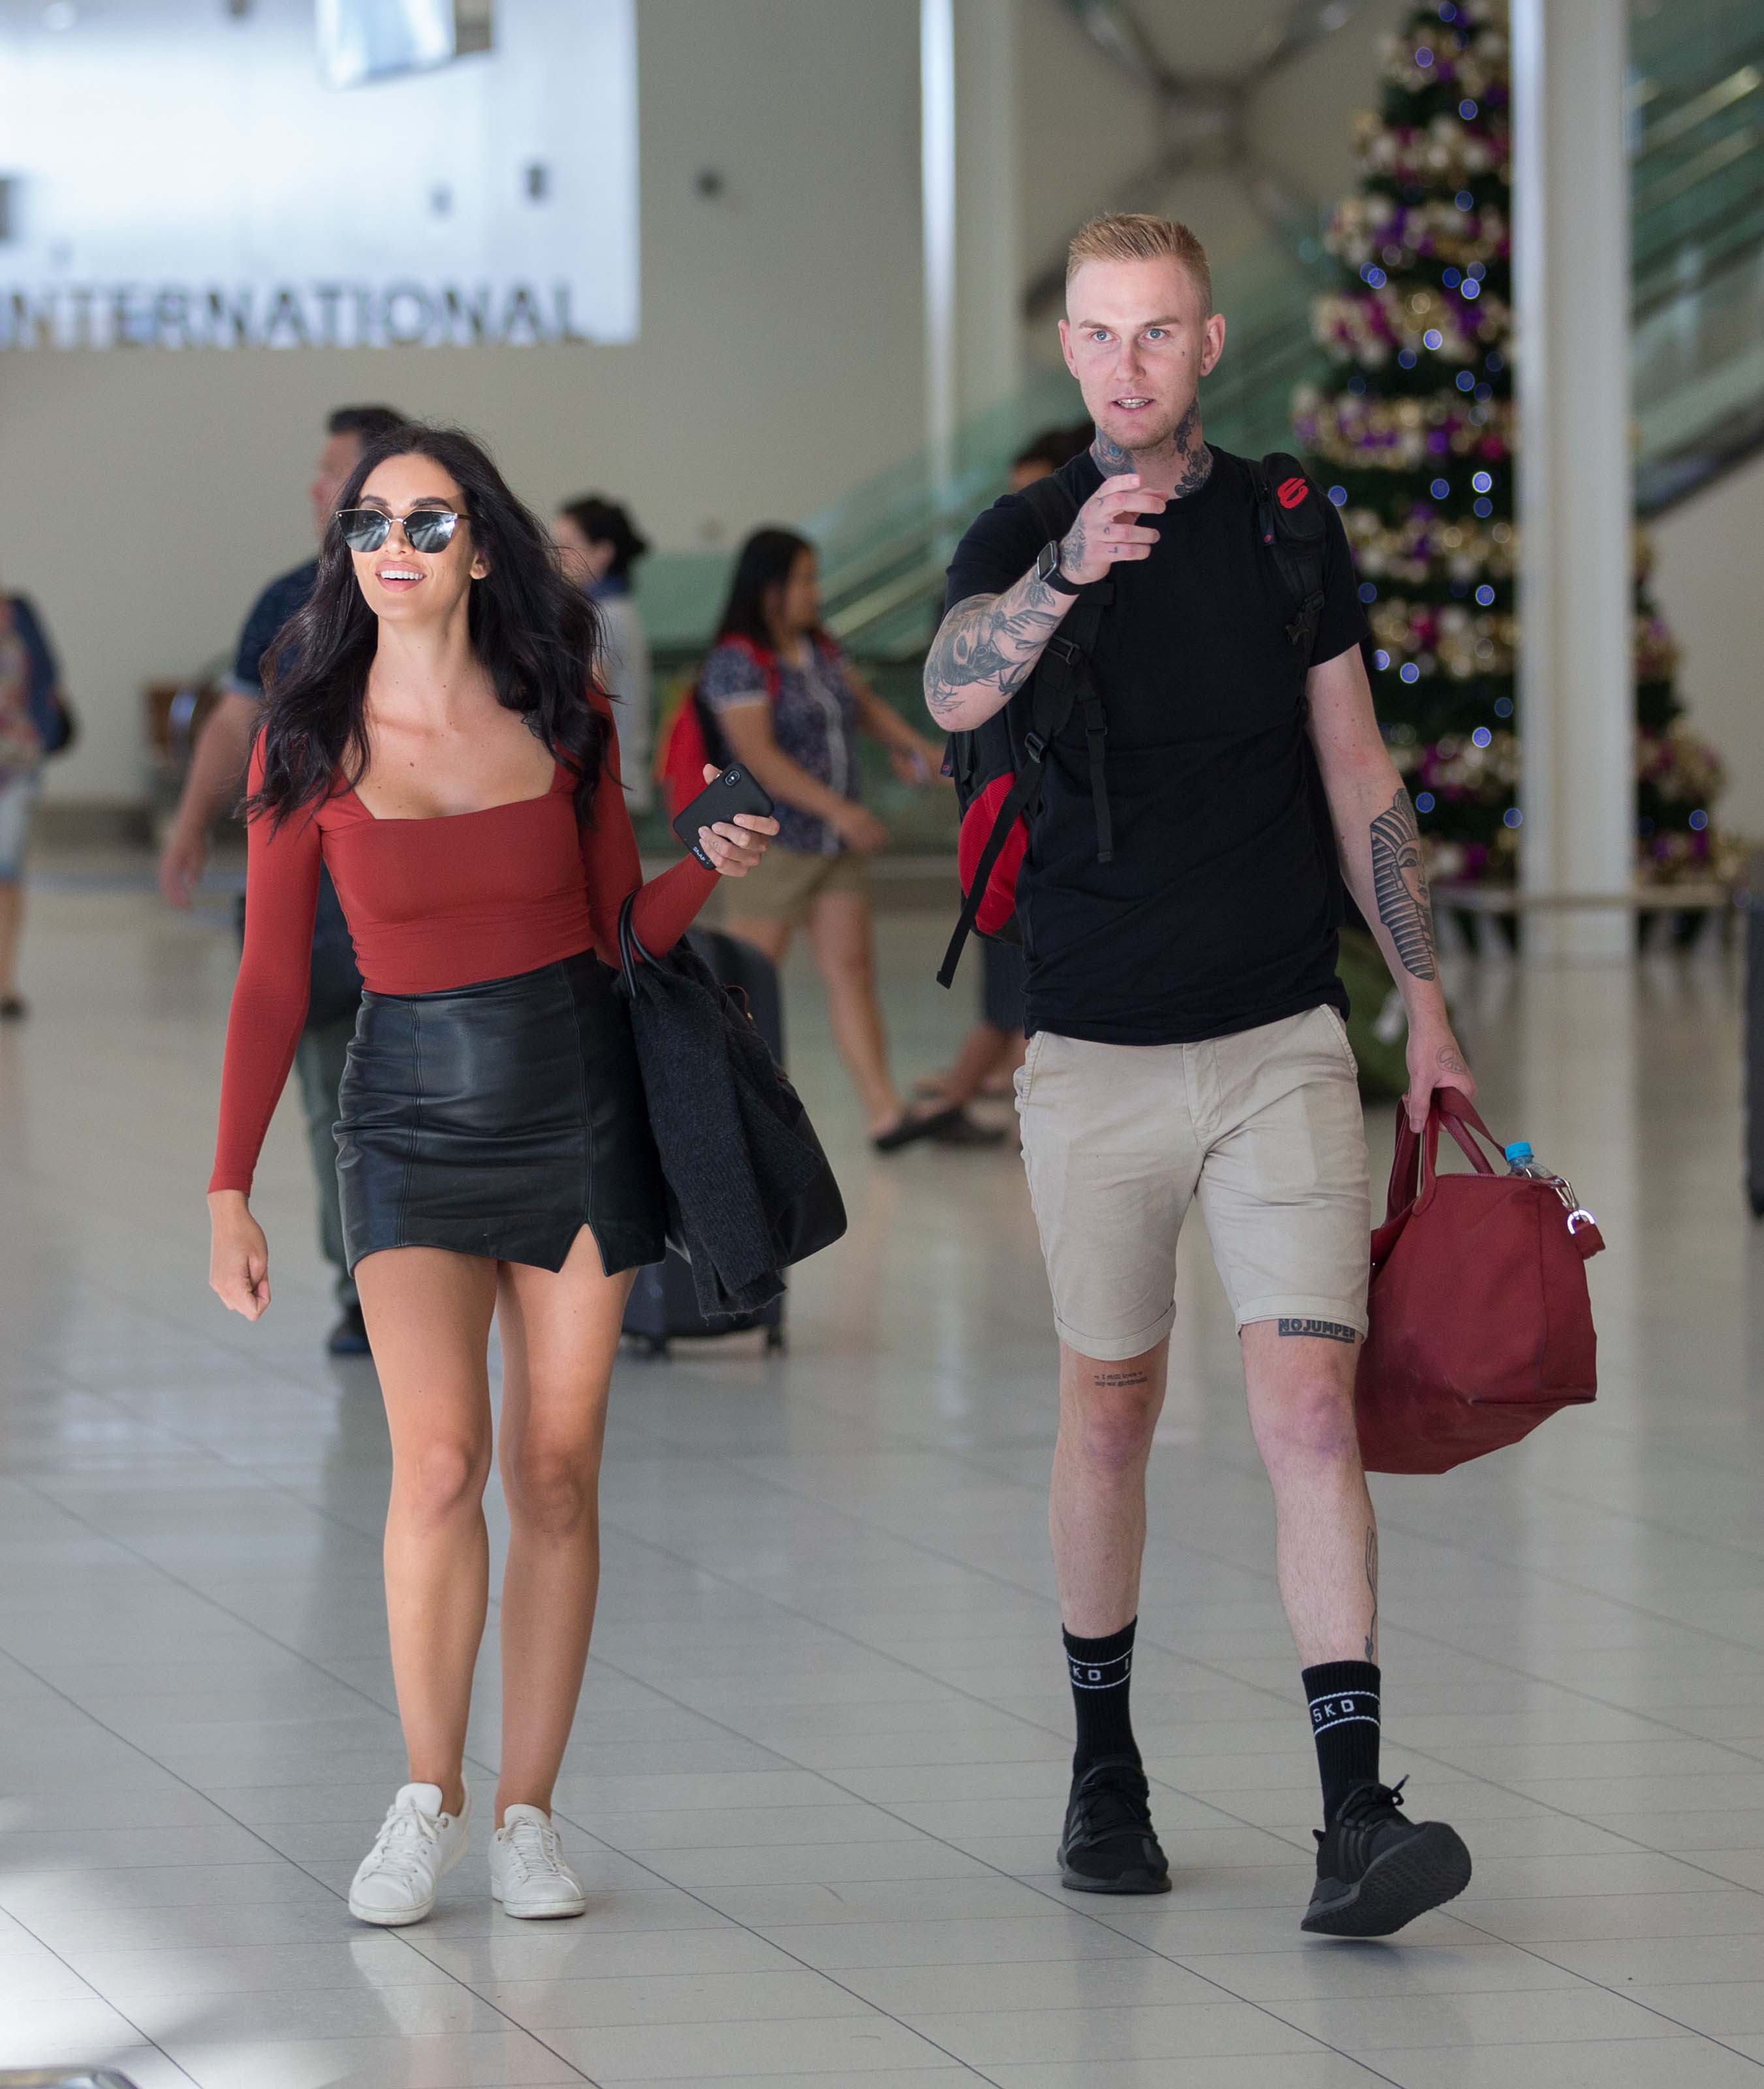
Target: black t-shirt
pixel 272 608
pixel 1218 911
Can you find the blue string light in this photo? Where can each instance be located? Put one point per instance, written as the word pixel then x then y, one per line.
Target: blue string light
pixel 1512 817
pixel 1470 288
pixel 1407 359
pixel 1464 200
pixel 1484 508
pixel 1409 672
pixel 1433 338
pixel 1441 488
pixel 1467 110
pixel 1482 482
pixel 1466 381
pixel 1485 595
pixel 1452 278
pixel 1699 820
pixel 1380 659
pixel 1485 390
pixel 1368 593
pixel 1481 736
pixel 1423 57
pixel 1424 803
pixel 1503 707
pixel 1338 495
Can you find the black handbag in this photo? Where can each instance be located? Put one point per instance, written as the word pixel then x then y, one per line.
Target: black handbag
pixel 750 1188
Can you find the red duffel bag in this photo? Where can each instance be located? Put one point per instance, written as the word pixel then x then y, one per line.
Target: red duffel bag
pixel 1481 1325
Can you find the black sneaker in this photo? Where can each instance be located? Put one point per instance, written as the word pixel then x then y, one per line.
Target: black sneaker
pixel 1110 1845
pixel 348 1337
pixel 1376 1870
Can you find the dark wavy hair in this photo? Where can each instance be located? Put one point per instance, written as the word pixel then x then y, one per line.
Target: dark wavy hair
pixel 535 633
pixel 763 563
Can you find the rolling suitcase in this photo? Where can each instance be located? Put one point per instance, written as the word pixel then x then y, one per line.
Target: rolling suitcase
pixel 663 1307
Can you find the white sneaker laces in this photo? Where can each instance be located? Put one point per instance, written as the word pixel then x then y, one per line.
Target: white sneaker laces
pixel 401 1850
pixel 534 1846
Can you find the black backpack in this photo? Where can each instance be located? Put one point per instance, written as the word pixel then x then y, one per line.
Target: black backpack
pixel 1014 742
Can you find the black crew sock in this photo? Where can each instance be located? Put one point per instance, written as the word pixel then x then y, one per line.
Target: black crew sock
pixel 1100 1669
pixel 1343 1723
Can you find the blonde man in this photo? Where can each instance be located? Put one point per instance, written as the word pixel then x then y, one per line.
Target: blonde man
pixel 1186 1029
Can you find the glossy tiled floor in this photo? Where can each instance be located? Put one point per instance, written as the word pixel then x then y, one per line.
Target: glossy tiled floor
pixel 821 1759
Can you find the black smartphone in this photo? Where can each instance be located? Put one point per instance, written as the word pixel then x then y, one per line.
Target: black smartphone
pixel 731 792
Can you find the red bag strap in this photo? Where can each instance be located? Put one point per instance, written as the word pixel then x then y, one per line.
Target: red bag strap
pixel 1416 1161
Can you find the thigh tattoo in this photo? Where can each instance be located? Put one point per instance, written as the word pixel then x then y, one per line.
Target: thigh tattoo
pixel 1326 1331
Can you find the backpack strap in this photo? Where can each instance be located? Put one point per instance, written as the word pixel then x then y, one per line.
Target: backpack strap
pixel 1062 679
pixel 1291 527
pixel 1051 503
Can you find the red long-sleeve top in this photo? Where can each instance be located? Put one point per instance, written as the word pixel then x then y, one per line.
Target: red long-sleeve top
pixel 431 904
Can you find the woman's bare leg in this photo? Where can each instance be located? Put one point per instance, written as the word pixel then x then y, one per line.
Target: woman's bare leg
pixel 845 950
pixel 560 1335
pixel 428 1317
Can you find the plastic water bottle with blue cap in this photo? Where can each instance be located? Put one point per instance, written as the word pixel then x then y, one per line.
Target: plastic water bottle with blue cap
pixel 1520 1160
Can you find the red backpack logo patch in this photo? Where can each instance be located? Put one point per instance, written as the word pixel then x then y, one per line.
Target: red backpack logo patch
pixel 1290 493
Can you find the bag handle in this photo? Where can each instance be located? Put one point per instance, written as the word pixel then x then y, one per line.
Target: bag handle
pixel 1415 1165
pixel 631 949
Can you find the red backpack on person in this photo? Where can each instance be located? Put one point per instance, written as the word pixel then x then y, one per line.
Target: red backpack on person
pixel 693 742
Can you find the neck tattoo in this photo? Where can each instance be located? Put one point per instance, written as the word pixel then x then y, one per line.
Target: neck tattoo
pixel 1192 459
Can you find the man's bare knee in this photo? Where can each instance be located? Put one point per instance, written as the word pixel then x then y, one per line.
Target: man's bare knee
pixel 1309 1420
pixel 1112 1409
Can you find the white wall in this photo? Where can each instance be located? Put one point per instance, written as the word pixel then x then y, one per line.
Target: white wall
pixel 1706 580
pixel 148 494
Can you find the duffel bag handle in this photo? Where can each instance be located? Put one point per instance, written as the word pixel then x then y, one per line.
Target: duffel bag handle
pixel 1416 1161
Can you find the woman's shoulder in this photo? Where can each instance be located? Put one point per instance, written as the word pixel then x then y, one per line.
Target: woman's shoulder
pixel 733 667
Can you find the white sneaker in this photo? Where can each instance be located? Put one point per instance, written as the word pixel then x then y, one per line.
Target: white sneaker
pixel 417 1845
pixel 527 1872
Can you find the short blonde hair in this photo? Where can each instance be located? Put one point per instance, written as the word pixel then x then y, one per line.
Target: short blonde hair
pixel 1133 236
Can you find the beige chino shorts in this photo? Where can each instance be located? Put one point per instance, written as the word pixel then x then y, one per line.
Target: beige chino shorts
pixel 1264 1127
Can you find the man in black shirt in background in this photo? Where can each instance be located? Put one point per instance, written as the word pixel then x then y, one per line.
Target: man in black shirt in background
pixel 1187 1034
pixel 216 772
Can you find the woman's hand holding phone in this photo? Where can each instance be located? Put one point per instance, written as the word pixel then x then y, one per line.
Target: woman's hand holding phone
pixel 731 846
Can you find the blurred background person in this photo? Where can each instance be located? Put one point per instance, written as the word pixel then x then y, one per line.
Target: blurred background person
pixel 993 1050
pixel 782 699
pixel 216 773
pixel 598 545
pixel 34 723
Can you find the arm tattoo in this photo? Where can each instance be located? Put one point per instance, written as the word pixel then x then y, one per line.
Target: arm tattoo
pixel 1371 1583
pixel 1325 1330
pixel 1400 885
pixel 990 641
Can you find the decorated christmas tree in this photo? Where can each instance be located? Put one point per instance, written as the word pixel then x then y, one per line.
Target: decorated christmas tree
pixel 1413 435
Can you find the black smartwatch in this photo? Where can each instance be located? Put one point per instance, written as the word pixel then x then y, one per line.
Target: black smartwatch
pixel 1047 570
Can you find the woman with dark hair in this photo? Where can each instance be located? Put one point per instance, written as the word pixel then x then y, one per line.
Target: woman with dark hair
pixel 598 544
pixel 433 739
pixel 786 703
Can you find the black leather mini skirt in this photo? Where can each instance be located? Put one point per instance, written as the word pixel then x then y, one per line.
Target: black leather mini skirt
pixel 498 1120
